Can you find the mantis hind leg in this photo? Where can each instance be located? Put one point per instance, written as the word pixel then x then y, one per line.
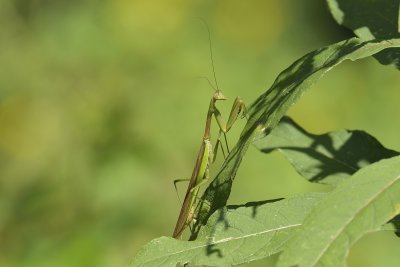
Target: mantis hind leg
pixel 176 188
pixel 194 188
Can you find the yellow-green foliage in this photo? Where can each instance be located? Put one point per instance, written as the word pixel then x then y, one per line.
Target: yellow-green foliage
pixel 100 110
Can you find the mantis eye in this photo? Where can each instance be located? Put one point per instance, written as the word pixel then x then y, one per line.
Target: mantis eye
pixel 219 96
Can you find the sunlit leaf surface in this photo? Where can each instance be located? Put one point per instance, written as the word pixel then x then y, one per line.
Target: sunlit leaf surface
pixel 234 235
pixel 357 206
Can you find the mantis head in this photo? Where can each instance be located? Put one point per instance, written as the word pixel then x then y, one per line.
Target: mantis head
pixel 218 95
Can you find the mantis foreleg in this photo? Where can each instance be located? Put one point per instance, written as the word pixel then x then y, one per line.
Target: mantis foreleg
pixel 238 108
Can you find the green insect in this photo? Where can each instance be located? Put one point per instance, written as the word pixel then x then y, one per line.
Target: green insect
pixel 206 154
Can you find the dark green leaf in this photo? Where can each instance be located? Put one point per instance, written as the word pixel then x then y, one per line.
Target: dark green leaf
pixel 370 19
pixel 327 158
pixel 393 225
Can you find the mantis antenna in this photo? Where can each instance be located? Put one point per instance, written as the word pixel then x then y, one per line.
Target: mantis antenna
pixel 216 88
pixel 209 82
pixel 211 52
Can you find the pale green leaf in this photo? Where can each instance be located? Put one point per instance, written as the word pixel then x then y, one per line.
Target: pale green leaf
pixel 359 205
pixel 327 158
pixel 234 235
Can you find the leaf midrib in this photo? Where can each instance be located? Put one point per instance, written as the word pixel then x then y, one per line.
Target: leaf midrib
pixel 352 218
pixel 228 239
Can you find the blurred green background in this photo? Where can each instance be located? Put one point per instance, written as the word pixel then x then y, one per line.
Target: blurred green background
pixel 100 109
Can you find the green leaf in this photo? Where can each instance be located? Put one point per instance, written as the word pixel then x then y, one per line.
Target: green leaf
pixel 327 158
pixel 234 235
pixel 359 205
pixel 269 108
pixel 370 19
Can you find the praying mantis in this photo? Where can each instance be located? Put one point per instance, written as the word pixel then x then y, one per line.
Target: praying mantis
pixel 206 155
pixel 200 172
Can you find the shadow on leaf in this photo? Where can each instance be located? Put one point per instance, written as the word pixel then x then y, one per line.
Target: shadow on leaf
pixel 326 158
pixel 271 106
